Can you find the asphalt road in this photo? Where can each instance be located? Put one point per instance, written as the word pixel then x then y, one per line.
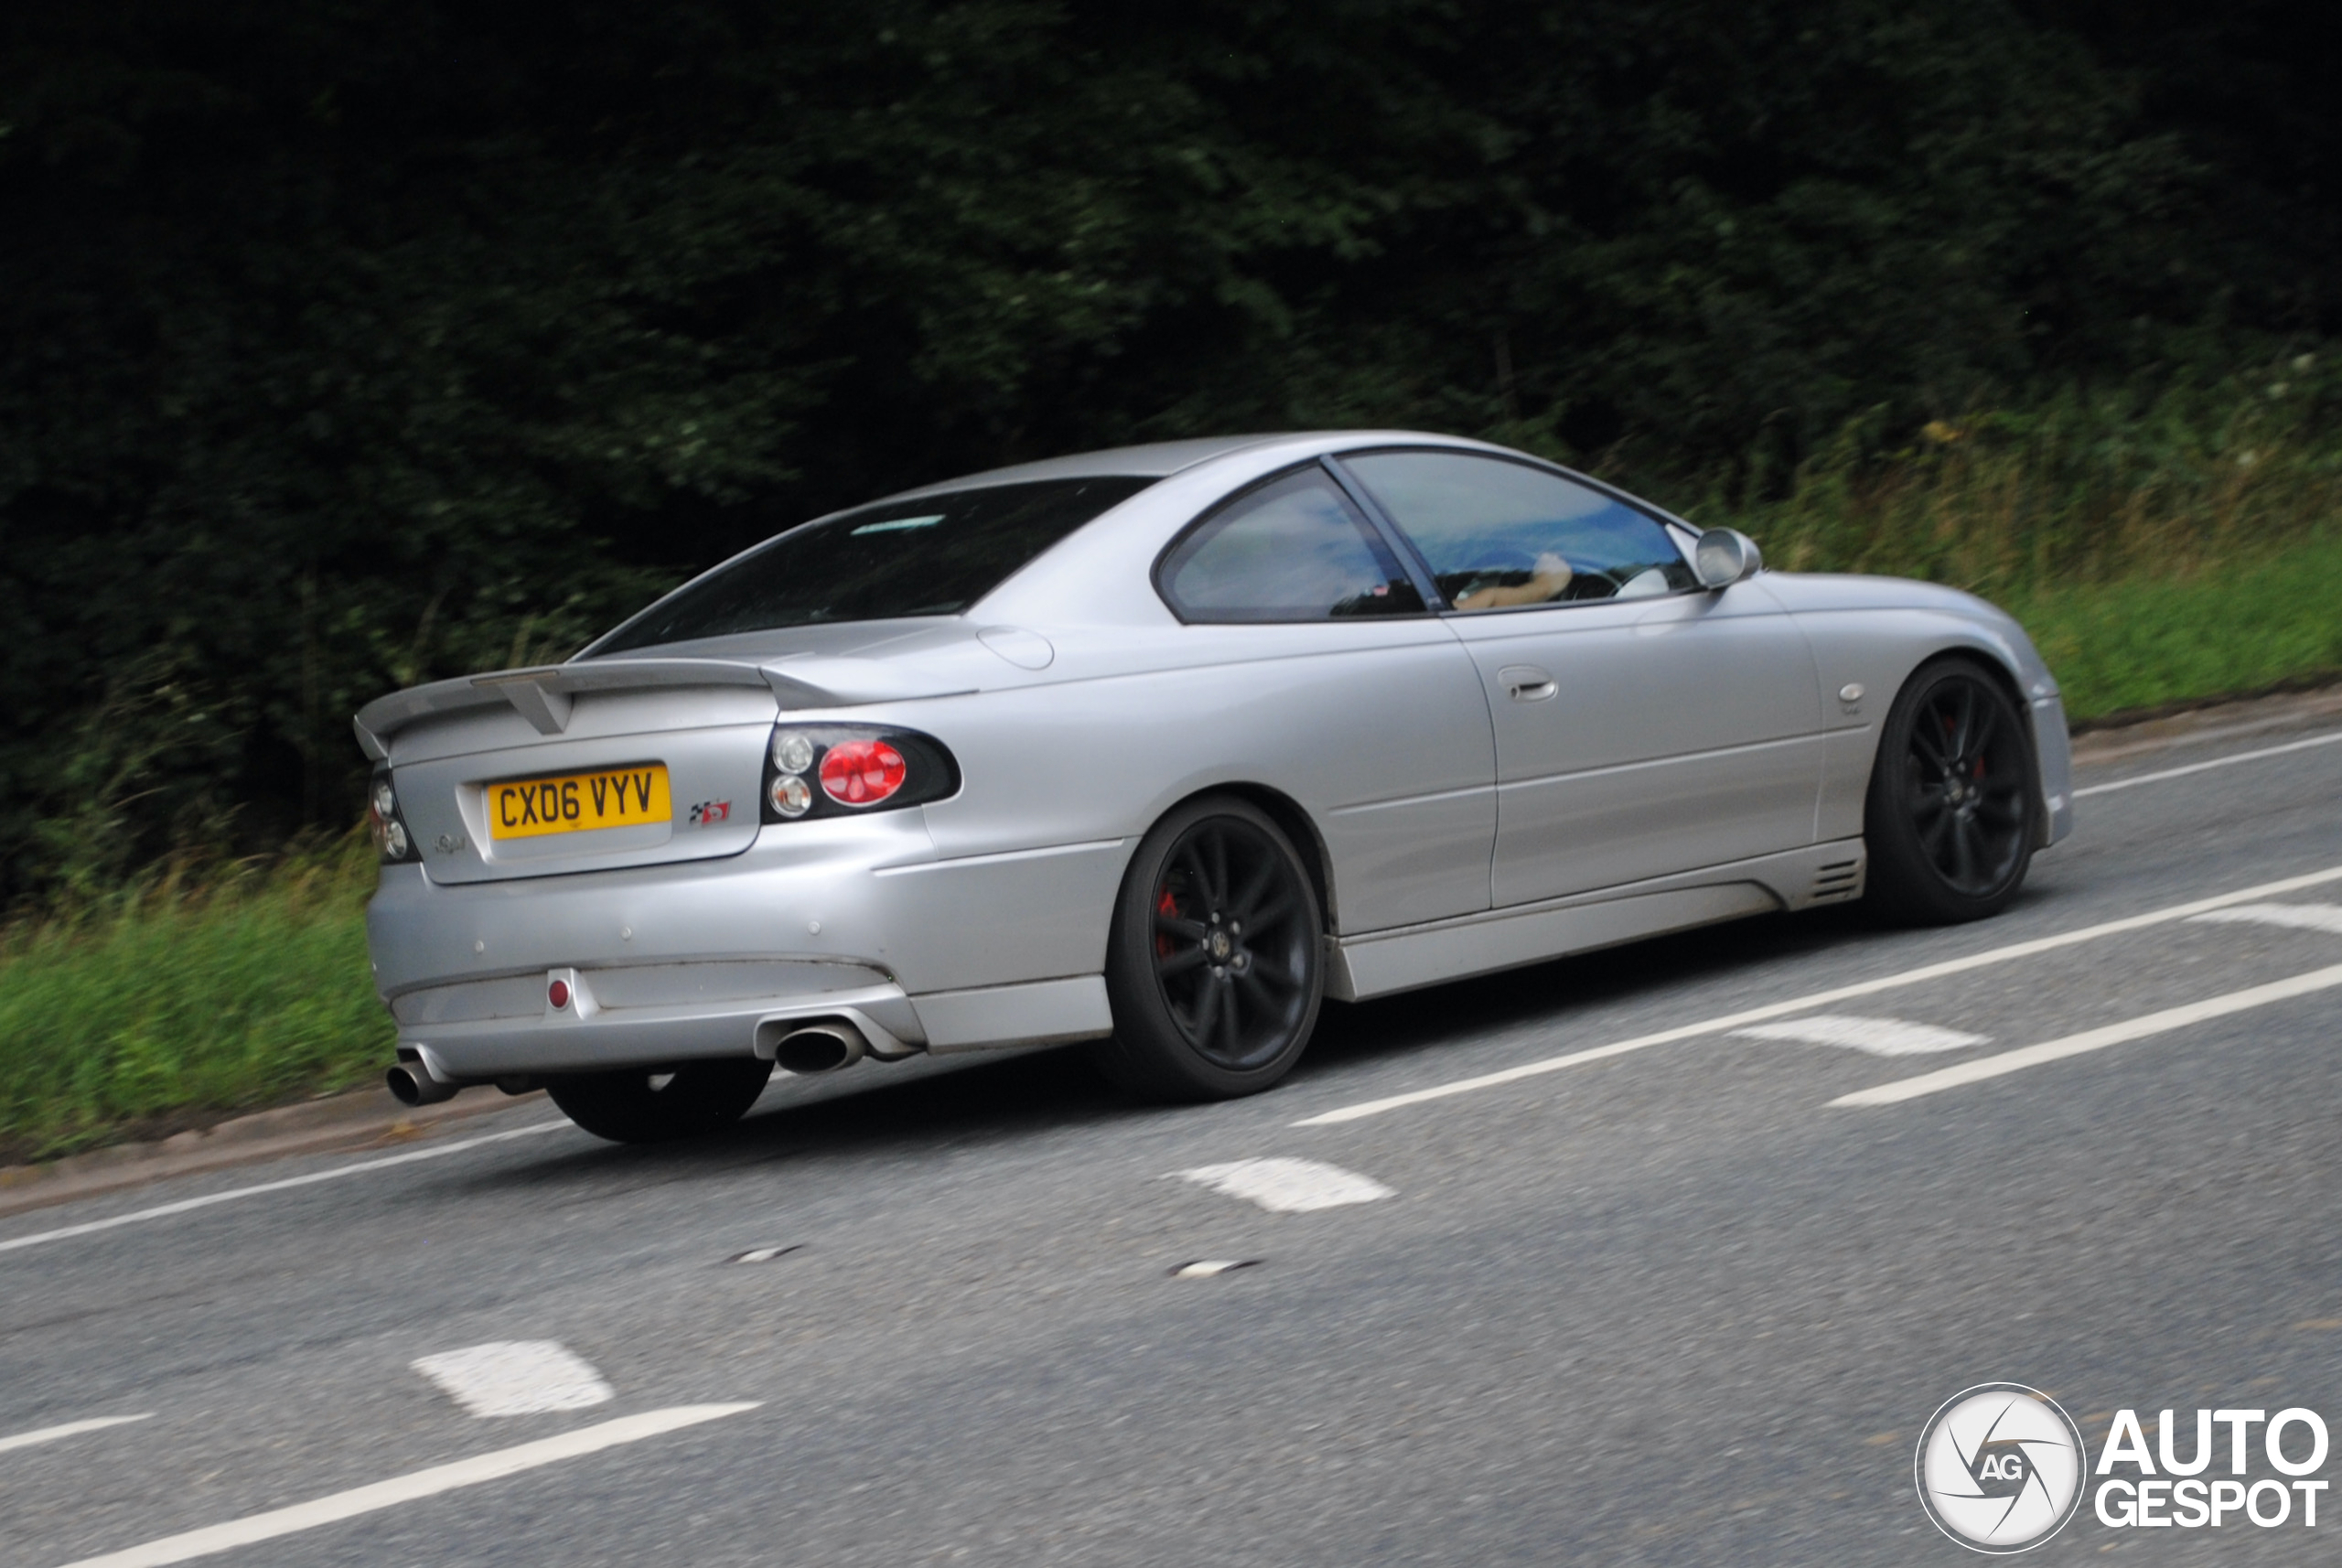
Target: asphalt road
pixel 1666 1304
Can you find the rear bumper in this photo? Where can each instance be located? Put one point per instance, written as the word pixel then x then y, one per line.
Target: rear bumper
pixel 585 1037
pixel 852 917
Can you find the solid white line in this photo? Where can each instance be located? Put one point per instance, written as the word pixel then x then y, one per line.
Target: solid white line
pixel 408 1488
pixel 1822 998
pixel 2216 762
pixel 164 1210
pixel 2094 1039
pixel 71 1429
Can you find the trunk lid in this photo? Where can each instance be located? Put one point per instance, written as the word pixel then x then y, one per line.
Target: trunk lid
pixel 689 741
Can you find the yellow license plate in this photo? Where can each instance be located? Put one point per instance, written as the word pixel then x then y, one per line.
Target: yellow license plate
pixel 578 802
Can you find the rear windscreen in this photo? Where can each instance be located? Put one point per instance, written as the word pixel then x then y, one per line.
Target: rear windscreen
pixel 932 555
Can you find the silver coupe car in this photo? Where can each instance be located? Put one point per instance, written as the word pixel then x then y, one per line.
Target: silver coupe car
pixel 1158 748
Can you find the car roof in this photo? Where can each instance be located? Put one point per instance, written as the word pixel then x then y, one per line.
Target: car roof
pixel 1153 461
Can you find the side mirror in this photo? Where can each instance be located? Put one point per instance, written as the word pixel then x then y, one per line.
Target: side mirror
pixel 1723 556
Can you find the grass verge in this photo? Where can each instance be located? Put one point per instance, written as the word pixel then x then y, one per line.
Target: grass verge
pixel 2144 642
pixel 170 1006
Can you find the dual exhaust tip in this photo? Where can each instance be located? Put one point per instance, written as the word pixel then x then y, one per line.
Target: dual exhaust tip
pixel 820 1044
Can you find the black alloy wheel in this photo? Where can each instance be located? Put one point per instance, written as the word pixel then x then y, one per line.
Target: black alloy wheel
pixel 652 1105
pixel 1952 817
pixel 1213 964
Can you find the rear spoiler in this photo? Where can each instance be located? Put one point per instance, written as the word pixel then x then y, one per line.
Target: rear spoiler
pixel 545 694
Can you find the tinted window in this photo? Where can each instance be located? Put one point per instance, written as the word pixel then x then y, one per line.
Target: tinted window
pixel 1499 534
pixel 933 555
pixel 1293 550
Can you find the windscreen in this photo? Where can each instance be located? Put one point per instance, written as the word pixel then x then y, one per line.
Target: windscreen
pixel 931 555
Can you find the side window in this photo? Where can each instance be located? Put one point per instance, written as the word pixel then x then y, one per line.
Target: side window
pixel 1293 550
pixel 1499 534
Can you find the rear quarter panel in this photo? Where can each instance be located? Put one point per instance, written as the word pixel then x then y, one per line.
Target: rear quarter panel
pixel 1379 733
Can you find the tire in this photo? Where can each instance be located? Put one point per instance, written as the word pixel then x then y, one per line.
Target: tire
pixel 1953 817
pixel 1214 964
pixel 652 1105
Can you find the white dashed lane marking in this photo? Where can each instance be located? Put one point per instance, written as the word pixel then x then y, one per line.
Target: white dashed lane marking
pixel 399 1489
pixel 71 1429
pixel 518 1376
pixel 1288 1187
pixel 1879 1036
pixel 2299 917
pixel 2098 1039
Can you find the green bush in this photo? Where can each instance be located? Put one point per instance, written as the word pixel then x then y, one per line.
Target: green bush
pixel 2159 549
pixel 2077 488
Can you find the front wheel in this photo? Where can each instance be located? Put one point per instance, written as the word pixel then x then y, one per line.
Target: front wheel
pixel 1213 964
pixel 1950 817
pixel 652 1105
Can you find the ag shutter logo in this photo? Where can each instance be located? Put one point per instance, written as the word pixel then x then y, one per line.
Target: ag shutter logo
pixel 2000 1467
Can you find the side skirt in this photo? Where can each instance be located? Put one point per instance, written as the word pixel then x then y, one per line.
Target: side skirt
pixel 1380 962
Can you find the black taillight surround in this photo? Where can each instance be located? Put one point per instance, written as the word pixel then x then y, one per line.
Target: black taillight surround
pixel 379 825
pixel 929 770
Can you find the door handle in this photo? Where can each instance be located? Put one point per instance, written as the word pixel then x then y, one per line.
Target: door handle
pixel 1526 682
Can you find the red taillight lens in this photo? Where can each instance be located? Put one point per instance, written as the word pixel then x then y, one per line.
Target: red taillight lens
pixel 862 772
pixel 558 995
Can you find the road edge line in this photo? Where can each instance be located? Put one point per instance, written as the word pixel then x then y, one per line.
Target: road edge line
pixel 2329 739
pixel 309 1178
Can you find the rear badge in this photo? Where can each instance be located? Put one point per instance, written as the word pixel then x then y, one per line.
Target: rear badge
pixel 707 813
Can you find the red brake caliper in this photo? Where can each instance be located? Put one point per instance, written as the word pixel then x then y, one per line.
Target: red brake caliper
pixel 1166 905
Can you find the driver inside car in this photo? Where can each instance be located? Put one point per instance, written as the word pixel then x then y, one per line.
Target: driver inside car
pixel 1548 579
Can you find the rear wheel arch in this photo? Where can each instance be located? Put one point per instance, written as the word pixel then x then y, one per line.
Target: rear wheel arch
pixel 1215 954
pixel 1294 819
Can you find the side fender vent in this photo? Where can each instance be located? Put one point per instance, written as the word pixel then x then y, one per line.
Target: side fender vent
pixel 1838 881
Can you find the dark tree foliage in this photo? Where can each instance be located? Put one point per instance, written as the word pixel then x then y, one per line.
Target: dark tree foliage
pixel 346 343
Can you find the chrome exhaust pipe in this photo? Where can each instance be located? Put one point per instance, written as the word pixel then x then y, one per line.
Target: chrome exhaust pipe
pixel 411 1083
pixel 824 1044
